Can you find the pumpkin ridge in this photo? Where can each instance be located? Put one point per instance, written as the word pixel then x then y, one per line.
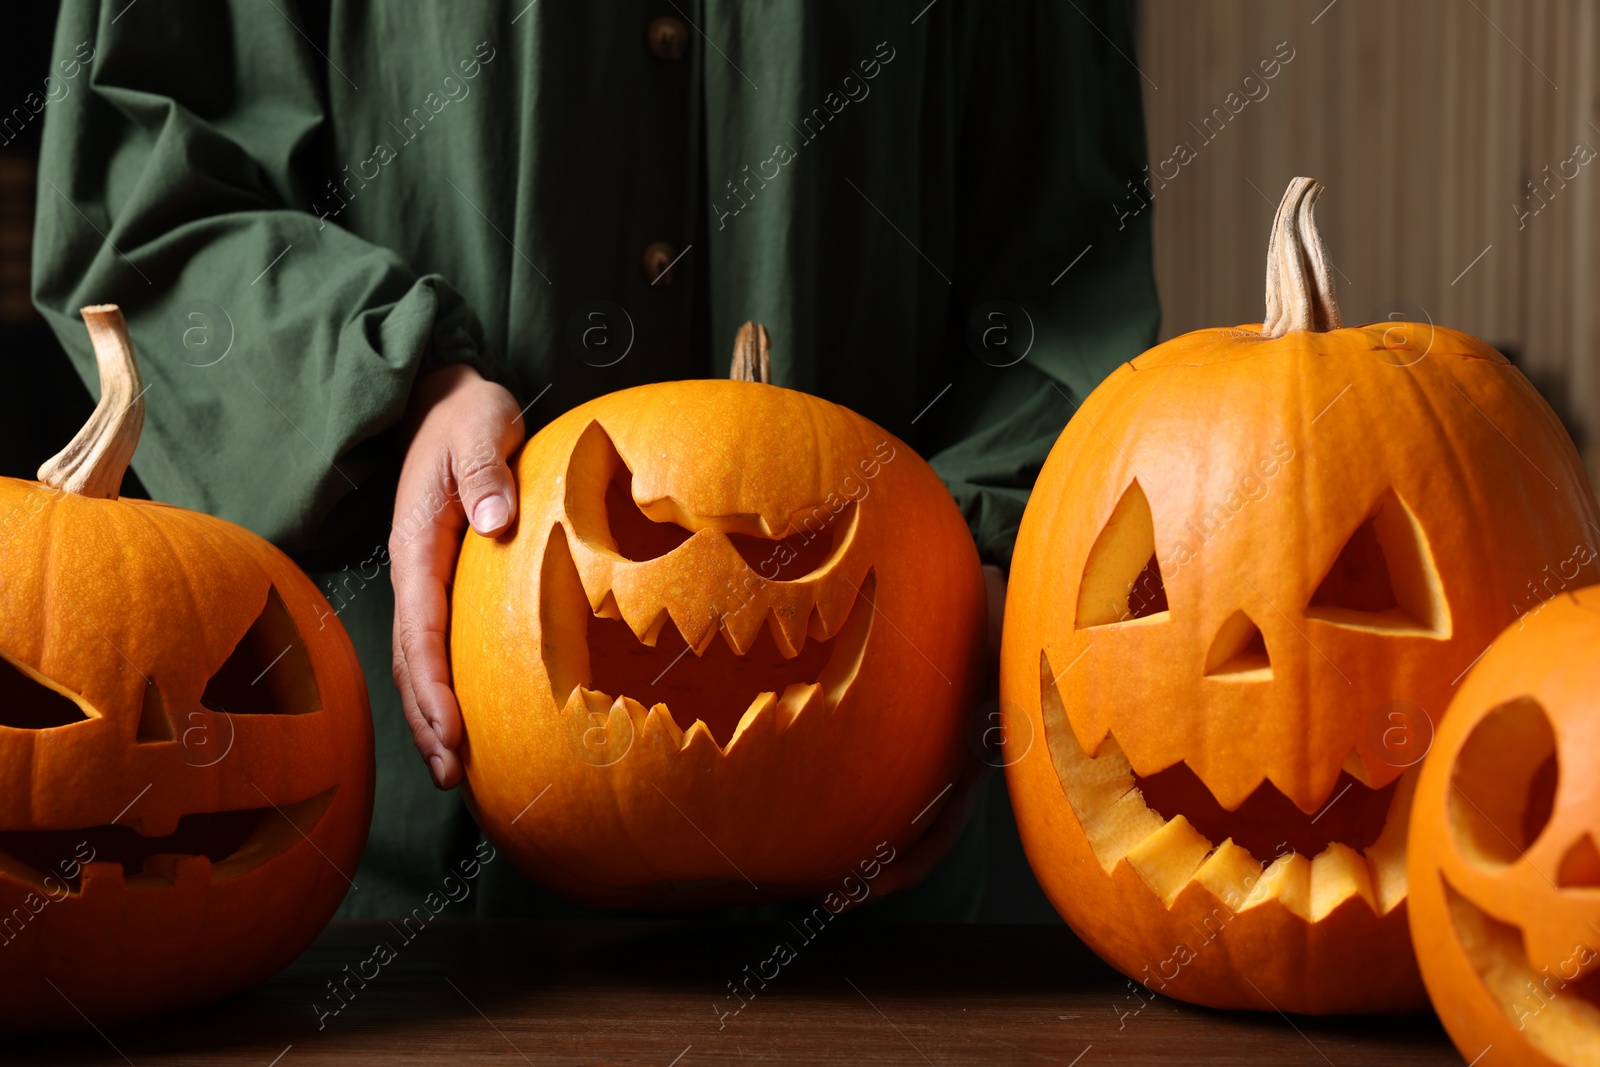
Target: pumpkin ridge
pixel 175 566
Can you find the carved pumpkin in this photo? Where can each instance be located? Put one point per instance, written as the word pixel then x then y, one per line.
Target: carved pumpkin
pixel 728 649
pixel 1248 574
pixel 186 765
pixel 1505 854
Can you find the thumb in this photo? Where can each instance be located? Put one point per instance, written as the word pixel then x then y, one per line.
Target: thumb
pixel 487 488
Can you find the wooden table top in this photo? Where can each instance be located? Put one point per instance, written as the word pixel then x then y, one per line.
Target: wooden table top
pixel 654 993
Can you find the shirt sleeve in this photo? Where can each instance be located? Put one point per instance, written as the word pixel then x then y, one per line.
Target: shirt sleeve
pixel 1053 238
pixel 175 179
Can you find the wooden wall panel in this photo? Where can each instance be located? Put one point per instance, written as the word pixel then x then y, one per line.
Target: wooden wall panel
pixel 1426 120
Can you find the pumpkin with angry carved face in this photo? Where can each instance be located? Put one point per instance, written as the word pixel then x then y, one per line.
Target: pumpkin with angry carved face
pixel 186 765
pixel 1505 854
pixel 727 650
pixel 1249 573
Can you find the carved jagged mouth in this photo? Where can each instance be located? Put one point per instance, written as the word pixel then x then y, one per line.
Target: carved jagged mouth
pixel 791 667
pixel 212 845
pixel 1560 1012
pixel 1166 827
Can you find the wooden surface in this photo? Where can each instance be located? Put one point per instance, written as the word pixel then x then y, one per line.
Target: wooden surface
pixel 650 993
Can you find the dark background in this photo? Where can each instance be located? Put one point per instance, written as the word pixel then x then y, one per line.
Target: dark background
pixel 44 402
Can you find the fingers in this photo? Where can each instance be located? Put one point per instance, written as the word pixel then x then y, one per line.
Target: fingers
pixel 444 767
pixel 478 451
pixel 421 661
pixel 454 470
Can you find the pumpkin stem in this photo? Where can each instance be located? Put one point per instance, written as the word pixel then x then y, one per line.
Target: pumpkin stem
pixel 752 355
pixel 1299 279
pixel 94 462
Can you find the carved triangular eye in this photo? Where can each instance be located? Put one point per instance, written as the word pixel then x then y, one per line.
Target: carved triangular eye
pixel 1384 578
pixel 268 672
pixel 1122 578
pixel 613 520
pixel 27 703
pixel 1239 652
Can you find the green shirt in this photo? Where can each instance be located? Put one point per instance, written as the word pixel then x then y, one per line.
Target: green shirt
pixel 301 206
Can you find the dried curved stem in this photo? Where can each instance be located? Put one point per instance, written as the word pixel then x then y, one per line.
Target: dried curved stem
pixel 752 355
pixel 94 462
pixel 1299 277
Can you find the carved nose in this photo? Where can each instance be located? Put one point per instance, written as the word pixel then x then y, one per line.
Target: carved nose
pixel 1239 651
pixel 1580 867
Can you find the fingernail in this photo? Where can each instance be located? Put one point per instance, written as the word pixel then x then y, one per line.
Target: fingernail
pixel 437 763
pixel 490 514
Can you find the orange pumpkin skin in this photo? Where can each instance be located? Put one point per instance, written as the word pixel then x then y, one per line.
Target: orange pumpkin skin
pixel 1505 901
pixel 1258 462
pixel 96 596
pixel 765 797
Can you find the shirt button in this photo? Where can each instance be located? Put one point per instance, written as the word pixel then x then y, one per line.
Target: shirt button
pixel 667 37
pixel 657 258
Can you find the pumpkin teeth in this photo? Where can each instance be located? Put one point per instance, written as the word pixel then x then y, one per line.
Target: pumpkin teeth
pixel 1338 873
pixel 697 630
pixel 788 625
pixel 101 876
pixel 797 700
pixel 1287 879
pixel 158 825
pixel 833 603
pixel 652 633
pixel 760 717
pixel 173 870
pixel 740 628
pixel 208 847
pixel 660 723
pixel 608 607
pixel 816 626
pixel 576 656
pixel 697 738
pixel 769 714
pixel 1356 767
pixel 646 626
pixel 625 706
pixel 586 702
pixel 1170 854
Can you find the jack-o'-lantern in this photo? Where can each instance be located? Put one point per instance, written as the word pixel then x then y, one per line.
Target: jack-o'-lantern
pixel 1505 855
pixel 1247 576
pixel 728 649
pixel 186 764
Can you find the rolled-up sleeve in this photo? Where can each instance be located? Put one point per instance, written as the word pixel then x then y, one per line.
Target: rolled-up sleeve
pixel 177 178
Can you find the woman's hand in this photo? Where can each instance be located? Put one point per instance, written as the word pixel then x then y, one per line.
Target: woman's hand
pixel 461 429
